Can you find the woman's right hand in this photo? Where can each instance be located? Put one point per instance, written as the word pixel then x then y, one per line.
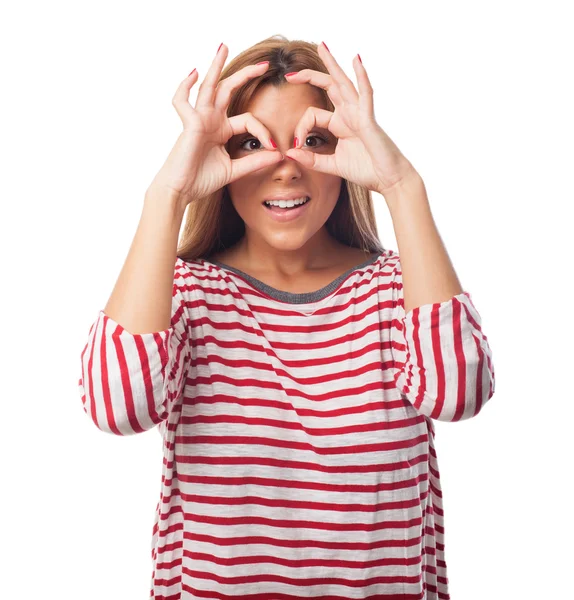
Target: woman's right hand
pixel 199 164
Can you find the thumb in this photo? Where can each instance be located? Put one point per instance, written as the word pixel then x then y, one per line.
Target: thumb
pixel 259 160
pixel 323 163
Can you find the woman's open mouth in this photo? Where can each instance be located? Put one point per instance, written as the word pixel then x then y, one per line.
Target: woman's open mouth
pixel 286 210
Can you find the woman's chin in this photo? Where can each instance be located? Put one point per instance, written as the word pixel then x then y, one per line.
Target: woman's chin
pixel 287 241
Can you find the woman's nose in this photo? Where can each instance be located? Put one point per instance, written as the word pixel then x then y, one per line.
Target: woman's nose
pixel 295 141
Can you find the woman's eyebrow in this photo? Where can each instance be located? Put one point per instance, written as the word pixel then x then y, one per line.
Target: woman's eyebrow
pixel 238 136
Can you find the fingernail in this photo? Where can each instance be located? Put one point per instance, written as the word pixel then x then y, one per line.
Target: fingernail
pixel 292 73
pixel 264 62
pixel 360 58
pixel 295 141
pixel 273 143
pixel 219 47
pixel 326 47
pixel 191 72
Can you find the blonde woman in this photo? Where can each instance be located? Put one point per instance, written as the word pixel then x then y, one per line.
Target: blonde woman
pixel 292 364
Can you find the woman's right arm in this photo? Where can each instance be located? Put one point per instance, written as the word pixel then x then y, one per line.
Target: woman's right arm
pixel 141 298
pixel 133 365
pixel 135 361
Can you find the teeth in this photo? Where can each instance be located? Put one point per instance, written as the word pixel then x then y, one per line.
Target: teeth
pixel 287 203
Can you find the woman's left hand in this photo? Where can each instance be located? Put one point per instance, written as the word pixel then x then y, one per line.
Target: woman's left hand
pixel 364 153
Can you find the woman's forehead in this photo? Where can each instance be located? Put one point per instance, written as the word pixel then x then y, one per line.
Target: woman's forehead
pixel 285 98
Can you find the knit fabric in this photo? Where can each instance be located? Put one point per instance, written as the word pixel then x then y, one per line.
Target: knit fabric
pixel 298 437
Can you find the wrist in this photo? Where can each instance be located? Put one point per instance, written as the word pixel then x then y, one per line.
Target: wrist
pixel 166 198
pixel 411 184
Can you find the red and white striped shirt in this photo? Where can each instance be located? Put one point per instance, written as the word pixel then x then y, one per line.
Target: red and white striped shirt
pixel 298 433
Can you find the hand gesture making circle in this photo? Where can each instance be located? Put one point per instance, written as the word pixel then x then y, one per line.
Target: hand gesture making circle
pixel 364 153
pixel 199 164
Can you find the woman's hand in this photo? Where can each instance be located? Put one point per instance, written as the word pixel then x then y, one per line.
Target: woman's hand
pixel 199 164
pixel 364 153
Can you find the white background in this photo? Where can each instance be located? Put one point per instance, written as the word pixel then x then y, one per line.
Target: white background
pixel 476 95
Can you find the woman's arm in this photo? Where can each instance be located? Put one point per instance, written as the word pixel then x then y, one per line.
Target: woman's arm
pixel 141 298
pixel 428 274
pixel 134 362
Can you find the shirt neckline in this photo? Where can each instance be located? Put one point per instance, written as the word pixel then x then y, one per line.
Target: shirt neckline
pixel 290 297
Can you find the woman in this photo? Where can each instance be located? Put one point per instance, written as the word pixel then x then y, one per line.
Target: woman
pixel 294 365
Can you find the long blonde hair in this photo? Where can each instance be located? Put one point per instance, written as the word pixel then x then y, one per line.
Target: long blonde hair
pixel 212 224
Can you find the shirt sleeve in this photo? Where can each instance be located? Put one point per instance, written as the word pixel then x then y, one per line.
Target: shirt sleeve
pixel 442 357
pixel 130 382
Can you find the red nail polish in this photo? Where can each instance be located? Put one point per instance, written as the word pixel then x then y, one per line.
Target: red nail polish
pixel 191 72
pixel 273 143
pixel 360 58
pixel 263 62
pixel 292 73
pixel 219 47
pixel 326 47
pixel 295 143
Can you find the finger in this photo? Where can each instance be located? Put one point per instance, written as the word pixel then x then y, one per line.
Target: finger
pixel 365 87
pixel 345 85
pixel 207 88
pixel 253 162
pixel 312 117
pixel 315 117
pixel 180 99
pixel 322 80
pixel 338 85
pixel 258 159
pixel 324 163
pixel 246 122
pixel 227 86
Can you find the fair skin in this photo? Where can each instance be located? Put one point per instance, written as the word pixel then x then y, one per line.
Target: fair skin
pixel 299 255
pixel 366 156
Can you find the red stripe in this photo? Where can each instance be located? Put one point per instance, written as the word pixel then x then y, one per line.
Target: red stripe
pixel 308 361
pixel 215 307
pixel 299 465
pixel 290 392
pixel 125 378
pixel 296 425
pixel 332 342
pixel 286 484
pixel 254 440
pixel 461 362
pixel 310 562
pixel 381 405
pixel 302 583
pixel 104 375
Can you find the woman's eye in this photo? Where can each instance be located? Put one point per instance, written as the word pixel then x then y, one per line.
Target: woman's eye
pixel 316 136
pixel 241 144
pixel 252 139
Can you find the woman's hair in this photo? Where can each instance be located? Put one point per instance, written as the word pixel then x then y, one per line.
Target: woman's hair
pixel 212 224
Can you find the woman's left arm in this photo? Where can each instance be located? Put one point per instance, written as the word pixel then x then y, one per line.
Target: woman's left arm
pixel 442 357
pixel 428 274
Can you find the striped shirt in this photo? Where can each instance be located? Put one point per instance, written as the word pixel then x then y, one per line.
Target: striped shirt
pixel 298 436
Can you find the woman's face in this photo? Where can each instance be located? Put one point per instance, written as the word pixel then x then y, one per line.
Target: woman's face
pixel 280 109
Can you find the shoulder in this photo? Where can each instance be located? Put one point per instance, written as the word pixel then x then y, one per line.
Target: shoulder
pixel 388 271
pixel 196 274
pixel 388 262
pixel 189 272
pixel 389 259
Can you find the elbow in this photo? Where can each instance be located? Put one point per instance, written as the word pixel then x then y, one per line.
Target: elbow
pixel 439 409
pixel 123 377
pixel 452 398
pixel 115 412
